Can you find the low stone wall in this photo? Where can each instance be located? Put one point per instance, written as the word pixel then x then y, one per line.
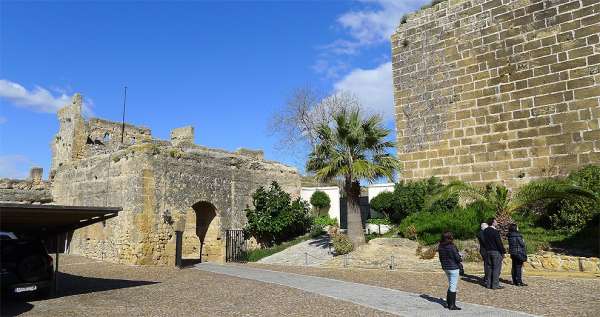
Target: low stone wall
pixel 25 191
pixel 549 261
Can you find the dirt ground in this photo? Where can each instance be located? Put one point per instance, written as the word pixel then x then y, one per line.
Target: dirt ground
pixel 92 288
pixel 548 294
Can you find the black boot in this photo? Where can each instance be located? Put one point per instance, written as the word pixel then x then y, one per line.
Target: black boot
pixel 452 301
pixel 448 299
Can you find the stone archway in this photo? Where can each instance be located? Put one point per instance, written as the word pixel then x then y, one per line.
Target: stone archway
pixel 202 234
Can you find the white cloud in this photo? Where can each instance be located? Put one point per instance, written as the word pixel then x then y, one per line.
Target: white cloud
pixel 373 24
pixel 38 99
pixel 14 166
pixel 373 87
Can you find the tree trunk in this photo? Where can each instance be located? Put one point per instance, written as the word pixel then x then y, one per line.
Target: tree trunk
pixel 504 220
pixel 354 217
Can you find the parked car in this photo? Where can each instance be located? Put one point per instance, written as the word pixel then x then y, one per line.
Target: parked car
pixel 25 266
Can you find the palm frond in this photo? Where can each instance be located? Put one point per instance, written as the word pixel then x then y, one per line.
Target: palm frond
pixel 548 189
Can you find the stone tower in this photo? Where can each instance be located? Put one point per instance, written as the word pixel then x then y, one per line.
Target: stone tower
pixel 498 91
pixel 69 142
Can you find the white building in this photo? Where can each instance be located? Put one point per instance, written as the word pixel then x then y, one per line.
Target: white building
pixel 334 195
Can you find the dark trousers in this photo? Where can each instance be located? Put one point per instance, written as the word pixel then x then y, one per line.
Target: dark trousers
pixel 486 271
pixel 517 270
pixel 494 264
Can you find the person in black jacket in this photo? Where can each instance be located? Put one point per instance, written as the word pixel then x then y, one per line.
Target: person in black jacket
pixel 450 260
pixel 518 255
pixel 482 251
pixel 495 253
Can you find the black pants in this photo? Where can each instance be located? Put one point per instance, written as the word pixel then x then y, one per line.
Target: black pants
pixel 517 270
pixel 494 264
pixel 486 270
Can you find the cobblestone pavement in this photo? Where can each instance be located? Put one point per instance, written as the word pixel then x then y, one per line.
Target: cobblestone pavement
pixel 385 299
pixel 313 252
pixel 92 288
pixel 550 295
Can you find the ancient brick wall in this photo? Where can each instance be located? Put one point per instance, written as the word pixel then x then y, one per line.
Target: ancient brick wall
pixel 498 90
pixel 162 186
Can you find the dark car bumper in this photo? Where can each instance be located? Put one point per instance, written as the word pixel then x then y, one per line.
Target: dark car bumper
pixel 11 285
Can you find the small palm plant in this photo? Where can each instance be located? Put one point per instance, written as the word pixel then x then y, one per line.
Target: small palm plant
pixel 499 198
pixel 353 149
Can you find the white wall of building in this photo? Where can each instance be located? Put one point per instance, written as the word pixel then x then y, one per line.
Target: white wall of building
pixel 334 195
pixel 374 189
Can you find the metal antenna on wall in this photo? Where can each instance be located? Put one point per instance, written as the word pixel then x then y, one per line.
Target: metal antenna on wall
pixel 123 121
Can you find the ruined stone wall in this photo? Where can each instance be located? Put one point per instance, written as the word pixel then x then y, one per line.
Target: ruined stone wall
pixel 162 186
pixel 493 90
pixel 149 182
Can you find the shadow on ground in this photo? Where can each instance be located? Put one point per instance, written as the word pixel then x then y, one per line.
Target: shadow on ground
pixel 469 278
pixel 322 242
pixel 68 285
pixel 433 299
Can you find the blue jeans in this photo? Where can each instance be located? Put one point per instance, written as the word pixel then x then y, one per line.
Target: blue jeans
pixel 452 279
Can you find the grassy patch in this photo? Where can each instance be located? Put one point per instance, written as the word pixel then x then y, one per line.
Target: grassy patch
pixel 257 254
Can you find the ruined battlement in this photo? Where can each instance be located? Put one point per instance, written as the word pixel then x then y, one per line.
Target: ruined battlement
pixel 498 90
pixel 79 138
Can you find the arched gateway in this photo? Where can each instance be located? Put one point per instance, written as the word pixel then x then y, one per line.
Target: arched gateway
pixel 202 235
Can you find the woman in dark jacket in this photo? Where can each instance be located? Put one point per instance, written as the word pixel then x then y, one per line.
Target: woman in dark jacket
pixel 518 255
pixel 450 260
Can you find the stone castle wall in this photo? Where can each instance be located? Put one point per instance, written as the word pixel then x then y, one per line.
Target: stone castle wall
pixel 493 90
pixel 162 186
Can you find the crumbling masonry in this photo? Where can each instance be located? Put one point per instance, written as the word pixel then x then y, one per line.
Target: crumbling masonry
pixel 161 186
pixel 498 90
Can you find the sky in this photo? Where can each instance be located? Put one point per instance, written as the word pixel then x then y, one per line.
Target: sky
pixel 223 67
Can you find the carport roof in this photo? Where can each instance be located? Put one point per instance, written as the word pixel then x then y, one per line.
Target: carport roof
pixel 51 219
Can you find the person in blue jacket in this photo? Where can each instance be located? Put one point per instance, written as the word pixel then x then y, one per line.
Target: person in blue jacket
pixel 451 262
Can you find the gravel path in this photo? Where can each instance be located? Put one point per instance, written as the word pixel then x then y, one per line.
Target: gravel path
pixel 385 299
pixel 313 252
pixel 92 288
pixel 556 295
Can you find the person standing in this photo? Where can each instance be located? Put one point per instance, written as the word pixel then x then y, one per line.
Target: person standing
pixel 518 255
pixel 482 251
pixel 495 253
pixel 450 260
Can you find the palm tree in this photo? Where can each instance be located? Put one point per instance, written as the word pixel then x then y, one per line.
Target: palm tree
pixel 499 199
pixel 353 149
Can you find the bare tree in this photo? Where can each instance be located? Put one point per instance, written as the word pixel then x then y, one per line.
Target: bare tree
pixel 305 110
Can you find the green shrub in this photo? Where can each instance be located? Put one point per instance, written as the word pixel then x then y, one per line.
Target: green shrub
pixel 276 217
pixel 462 222
pixel 573 215
pixel 317 230
pixel 320 199
pixel 342 244
pixel 410 198
pixel 383 203
pixel 325 221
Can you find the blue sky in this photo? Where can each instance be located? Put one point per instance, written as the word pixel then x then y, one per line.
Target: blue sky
pixel 224 67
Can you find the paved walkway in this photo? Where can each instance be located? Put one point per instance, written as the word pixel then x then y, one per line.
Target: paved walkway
pixel 384 299
pixel 313 252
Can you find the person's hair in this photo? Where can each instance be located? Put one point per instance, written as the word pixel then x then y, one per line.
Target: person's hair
pixel 490 221
pixel 447 237
pixel 512 227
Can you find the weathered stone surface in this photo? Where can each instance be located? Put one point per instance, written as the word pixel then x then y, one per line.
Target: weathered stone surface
pixel 32 190
pixel 473 79
pixel 161 186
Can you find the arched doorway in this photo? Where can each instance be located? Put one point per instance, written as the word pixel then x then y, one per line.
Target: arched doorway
pixel 201 236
